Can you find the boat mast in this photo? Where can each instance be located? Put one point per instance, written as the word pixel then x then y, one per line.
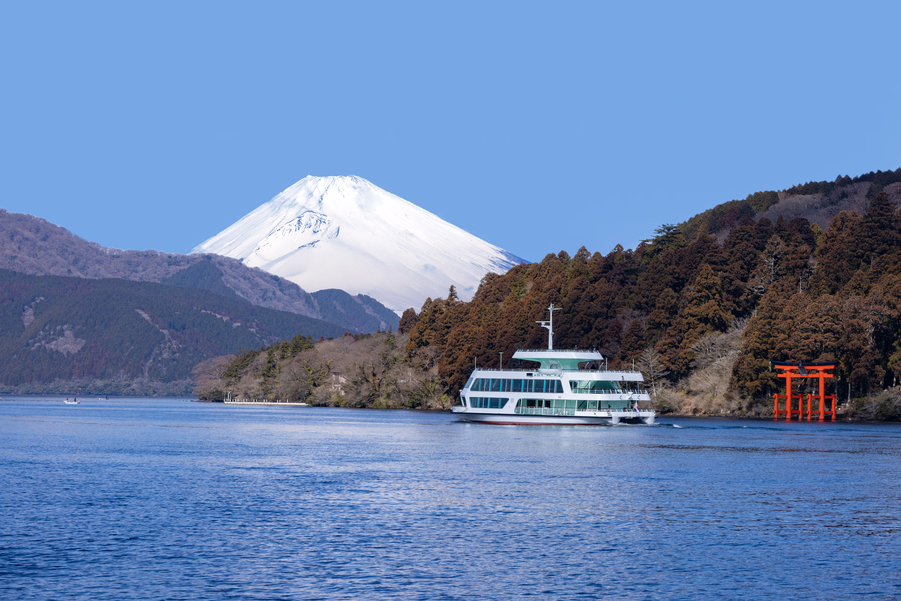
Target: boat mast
pixel 550 327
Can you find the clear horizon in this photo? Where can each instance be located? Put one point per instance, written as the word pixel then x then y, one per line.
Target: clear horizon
pixel 536 129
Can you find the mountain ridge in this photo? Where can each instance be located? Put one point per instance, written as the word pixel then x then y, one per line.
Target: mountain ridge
pixel 34 246
pixel 344 232
pixel 67 328
pixel 703 314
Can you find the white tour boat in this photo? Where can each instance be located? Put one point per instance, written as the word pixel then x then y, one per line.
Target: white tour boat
pixel 556 392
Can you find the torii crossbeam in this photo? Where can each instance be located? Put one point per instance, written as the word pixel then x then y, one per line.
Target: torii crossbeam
pixel 790 371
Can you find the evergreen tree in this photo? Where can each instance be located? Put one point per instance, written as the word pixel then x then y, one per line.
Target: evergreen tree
pixel 751 374
pixel 705 311
pixel 634 342
pixel 407 321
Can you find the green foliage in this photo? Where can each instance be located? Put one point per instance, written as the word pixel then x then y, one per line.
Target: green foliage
pixel 69 328
pixel 367 370
pixel 240 363
pixel 879 179
pixel 810 295
pixel 668 238
pixel 762 201
pixel 728 214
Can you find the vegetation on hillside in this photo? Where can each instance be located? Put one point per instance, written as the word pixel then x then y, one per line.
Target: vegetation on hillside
pixel 33 246
pixel 708 314
pixel 113 331
pixel 818 202
pixel 369 370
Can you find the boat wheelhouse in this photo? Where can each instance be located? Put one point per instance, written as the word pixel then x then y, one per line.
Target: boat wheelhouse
pixel 564 388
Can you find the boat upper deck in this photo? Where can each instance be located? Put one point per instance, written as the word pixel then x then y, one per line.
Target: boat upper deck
pixel 554 359
pixel 578 374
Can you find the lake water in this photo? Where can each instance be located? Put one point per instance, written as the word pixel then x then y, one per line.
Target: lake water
pixel 164 499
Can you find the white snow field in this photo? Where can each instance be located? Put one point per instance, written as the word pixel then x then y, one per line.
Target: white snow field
pixel 344 232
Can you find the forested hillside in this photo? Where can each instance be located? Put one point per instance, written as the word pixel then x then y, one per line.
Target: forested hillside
pixel 117 332
pixel 705 305
pixel 34 246
pixel 701 309
pixel 369 370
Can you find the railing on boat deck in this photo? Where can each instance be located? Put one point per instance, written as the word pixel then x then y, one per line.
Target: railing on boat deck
pixel 543 411
pixel 571 411
pixel 574 371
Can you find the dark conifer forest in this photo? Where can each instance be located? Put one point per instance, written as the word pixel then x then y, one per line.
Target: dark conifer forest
pixel 704 306
pixel 809 274
pixel 62 329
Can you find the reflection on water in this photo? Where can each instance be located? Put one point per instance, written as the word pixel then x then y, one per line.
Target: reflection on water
pixel 137 499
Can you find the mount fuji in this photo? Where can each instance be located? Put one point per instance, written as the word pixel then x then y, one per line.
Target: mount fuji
pixel 344 232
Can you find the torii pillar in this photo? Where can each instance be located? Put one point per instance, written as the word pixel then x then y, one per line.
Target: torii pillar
pixel 803 370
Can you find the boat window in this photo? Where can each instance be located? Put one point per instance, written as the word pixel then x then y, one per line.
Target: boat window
pixel 535 403
pixel 517 386
pixel 495 385
pixel 541 407
pixel 595 387
pixel 487 402
pixel 469 382
pixel 545 386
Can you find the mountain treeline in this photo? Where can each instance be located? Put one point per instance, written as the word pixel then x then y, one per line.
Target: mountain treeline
pixel 363 370
pixel 34 246
pixel 65 329
pixel 818 202
pixel 704 314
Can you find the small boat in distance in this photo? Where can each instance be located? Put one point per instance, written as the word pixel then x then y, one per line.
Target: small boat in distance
pixel 72 402
pixel 557 392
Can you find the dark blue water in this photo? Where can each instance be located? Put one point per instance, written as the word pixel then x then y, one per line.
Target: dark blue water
pixel 159 499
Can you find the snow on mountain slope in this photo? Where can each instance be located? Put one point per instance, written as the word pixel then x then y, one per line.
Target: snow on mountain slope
pixel 346 233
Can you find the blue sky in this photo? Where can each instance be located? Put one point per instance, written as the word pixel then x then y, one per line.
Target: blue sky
pixel 539 127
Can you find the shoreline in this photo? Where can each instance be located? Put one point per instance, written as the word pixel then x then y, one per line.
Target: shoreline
pixel 269 403
pixel 248 403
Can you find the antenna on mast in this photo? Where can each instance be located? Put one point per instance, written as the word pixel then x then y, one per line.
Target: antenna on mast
pixel 550 327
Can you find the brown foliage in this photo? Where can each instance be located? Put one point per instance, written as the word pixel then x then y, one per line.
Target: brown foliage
pixel 351 371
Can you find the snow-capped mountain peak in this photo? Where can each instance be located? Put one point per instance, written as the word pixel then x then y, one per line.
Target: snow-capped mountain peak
pixel 344 232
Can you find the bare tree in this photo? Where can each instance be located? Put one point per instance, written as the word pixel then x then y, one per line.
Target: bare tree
pixel 300 376
pixel 651 365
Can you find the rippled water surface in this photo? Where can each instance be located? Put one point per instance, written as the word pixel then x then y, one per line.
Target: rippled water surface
pixel 162 499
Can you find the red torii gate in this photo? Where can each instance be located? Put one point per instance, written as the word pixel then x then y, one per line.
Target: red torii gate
pixel 803 370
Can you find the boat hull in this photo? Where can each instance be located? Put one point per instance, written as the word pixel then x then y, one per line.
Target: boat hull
pixel 513 419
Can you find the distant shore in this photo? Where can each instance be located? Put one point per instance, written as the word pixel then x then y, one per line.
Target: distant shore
pixel 844 416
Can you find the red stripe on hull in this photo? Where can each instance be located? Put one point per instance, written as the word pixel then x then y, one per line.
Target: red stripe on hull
pixel 533 423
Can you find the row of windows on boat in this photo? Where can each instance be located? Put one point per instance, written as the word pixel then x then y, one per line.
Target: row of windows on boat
pixel 576 404
pixel 553 386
